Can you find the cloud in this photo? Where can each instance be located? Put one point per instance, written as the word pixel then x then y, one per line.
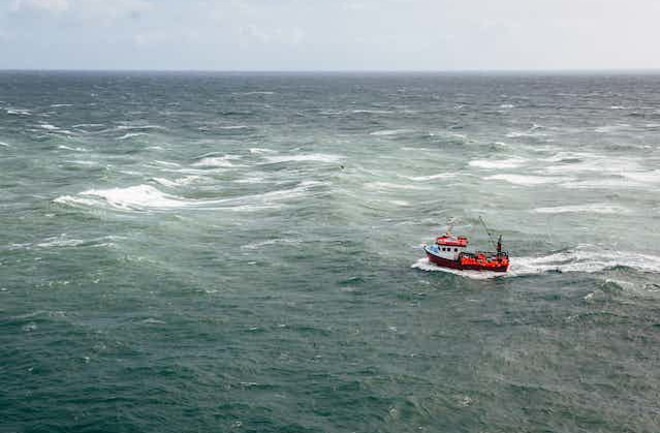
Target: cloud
pixel 329 34
pixel 85 10
pixel 40 5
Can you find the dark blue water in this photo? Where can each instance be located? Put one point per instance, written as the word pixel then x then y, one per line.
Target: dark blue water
pixel 240 252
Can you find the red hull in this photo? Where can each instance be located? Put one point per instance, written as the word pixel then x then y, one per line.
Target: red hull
pixel 456 264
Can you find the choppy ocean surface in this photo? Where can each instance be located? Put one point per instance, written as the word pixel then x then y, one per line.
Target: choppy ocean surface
pixel 240 253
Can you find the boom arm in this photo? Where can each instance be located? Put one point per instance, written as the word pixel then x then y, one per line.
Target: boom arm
pixel 490 236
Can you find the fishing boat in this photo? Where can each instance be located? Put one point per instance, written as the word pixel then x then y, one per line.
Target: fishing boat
pixel 450 251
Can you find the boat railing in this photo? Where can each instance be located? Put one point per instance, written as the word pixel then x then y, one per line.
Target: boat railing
pixel 489 254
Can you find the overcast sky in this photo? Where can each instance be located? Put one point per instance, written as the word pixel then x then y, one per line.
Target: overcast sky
pixel 330 34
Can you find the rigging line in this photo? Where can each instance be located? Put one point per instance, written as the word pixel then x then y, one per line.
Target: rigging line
pixel 490 236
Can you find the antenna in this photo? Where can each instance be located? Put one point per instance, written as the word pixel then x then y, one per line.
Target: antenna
pixel 451 222
pixel 490 236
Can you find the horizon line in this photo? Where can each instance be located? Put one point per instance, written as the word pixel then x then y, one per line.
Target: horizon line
pixel 351 71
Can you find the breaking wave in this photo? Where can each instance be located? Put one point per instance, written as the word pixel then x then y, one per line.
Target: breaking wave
pixel 142 198
pixel 132 198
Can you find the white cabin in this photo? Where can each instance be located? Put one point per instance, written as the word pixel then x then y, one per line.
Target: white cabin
pixel 450 247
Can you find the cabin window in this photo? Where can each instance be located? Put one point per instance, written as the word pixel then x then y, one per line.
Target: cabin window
pixel 456 249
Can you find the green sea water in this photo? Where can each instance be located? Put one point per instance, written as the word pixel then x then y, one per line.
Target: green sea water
pixel 241 252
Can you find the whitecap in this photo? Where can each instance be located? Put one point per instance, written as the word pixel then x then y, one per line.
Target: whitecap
pixel 18 111
pixel 260 151
pixel 650 177
pixel 527 134
pixel 3 144
pixel 390 132
pixel 430 177
pixel 314 157
pixel 29 327
pixel 359 111
pixel 144 197
pixel 251 180
pixel 497 163
pixel 88 125
pixel 389 185
pixel 165 182
pixel 596 208
pixel 131 135
pixel 311 183
pixel 261 244
pixel 218 161
pixel 525 180
pixel 256 92
pixel 128 127
pixel 79 162
pixel 152 321
pixel 48 127
pixel 74 201
pixel 231 127
pixel 26 246
pixel 266 200
pixel 612 128
pixel 252 208
pixel 593 163
pixel 136 197
pixel 281 194
pixel 60 241
pixel 421 149
pixel 167 163
pixel 621 183
pixel 507 106
pixel 177 182
pixel 75 149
